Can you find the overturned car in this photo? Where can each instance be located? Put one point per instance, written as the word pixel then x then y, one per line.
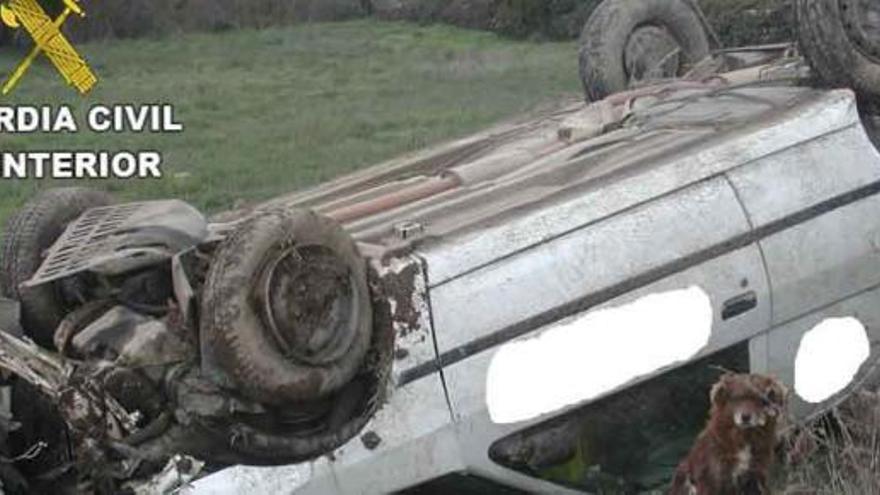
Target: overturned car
pixel 462 320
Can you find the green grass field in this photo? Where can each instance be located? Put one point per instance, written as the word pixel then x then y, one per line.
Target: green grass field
pixel 268 112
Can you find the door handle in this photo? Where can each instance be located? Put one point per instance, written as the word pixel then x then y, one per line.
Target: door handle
pixel 738 305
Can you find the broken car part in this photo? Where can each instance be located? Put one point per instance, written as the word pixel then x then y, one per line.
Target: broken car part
pixel 30 232
pixel 120 239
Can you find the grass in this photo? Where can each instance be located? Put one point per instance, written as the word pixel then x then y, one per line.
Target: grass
pixel 271 111
pixel 839 454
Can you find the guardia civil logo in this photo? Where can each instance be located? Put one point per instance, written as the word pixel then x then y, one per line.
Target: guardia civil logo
pixel 48 40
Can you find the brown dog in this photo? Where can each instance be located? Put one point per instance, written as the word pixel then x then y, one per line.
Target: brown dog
pixel 733 454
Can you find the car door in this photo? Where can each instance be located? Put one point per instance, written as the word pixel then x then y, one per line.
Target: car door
pixel 696 237
pixel 816 210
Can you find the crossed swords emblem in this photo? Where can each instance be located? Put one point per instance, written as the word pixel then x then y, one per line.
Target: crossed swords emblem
pixel 48 39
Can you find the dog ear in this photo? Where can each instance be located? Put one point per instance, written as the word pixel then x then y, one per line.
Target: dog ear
pixel 721 390
pixel 779 391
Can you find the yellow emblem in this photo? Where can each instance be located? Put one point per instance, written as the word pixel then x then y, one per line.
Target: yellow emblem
pixel 48 39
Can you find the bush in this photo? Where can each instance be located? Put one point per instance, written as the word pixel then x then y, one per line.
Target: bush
pixel 412 10
pixel 475 14
pixel 123 19
pixel 137 18
pixel 555 19
pixel 743 22
pixel 737 22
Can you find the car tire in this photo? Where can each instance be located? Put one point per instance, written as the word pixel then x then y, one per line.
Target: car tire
pixel 612 26
pixel 29 233
pixel 277 446
pixel 282 281
pixel 841 41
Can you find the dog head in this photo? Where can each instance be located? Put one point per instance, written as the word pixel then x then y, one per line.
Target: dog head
pixel 749 401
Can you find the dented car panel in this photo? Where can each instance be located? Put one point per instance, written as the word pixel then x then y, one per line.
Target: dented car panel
pixel 571 273
pixel 405 289
pixel 580 185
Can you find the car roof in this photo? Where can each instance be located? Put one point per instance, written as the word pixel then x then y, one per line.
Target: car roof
pixel 541 187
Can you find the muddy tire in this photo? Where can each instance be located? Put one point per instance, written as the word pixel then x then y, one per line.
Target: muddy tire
pixel 286 311
pixel 619 31
pixel 841 41
pixel 29 233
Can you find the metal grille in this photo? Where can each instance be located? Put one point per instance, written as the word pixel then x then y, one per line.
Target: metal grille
pixel 81 241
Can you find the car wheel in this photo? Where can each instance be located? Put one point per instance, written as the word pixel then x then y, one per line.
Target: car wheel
pixel 286 310
pixel 841 41
pixel 29 233
pixel 308 436
pixel 624 42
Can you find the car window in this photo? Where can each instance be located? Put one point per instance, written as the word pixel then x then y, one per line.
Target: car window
pixel 630 442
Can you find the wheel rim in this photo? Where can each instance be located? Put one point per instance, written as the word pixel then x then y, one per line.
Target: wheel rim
pixel 651 53
pixel 308 301
pixel 861 20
